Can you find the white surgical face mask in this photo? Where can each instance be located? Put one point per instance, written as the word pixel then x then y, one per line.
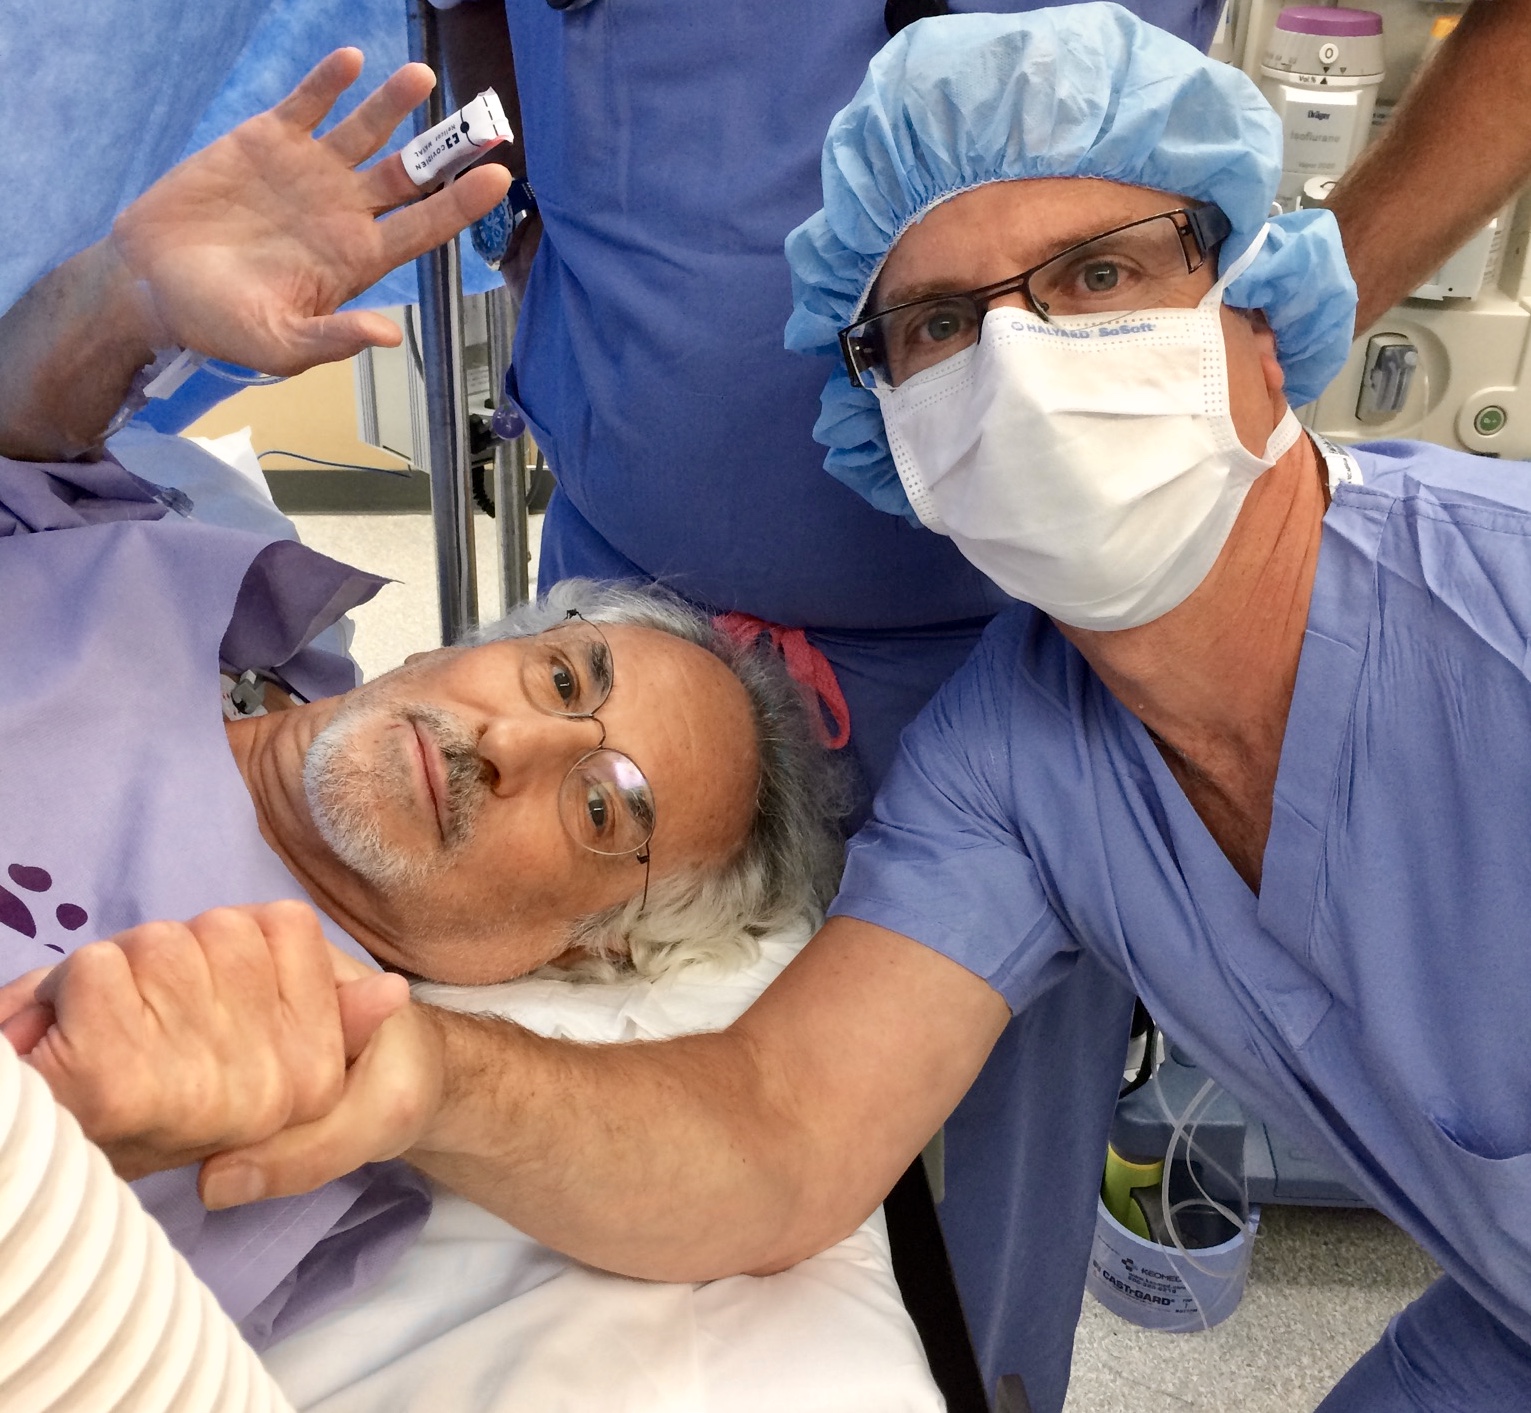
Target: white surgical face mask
pixel 1090 469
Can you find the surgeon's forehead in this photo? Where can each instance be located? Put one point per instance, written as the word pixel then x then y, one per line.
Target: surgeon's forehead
pixel 1007 227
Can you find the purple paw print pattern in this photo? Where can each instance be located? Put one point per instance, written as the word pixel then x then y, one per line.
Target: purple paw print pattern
pixel 16 915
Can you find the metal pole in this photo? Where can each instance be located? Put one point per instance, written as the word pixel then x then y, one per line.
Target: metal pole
pixel 512 529
pixel 441 325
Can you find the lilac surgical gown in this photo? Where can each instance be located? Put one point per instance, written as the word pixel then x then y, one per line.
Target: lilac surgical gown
pixel 120 803
pixel 1371 1001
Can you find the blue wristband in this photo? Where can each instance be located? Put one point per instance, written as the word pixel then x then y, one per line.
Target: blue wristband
pixel 493 233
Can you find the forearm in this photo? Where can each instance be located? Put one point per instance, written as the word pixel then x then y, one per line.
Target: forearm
pixel 69 349
pixel 673 1161
pixel 689 1159
pixel 1420 191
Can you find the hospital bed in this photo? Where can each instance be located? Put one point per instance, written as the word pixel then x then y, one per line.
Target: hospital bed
pixel 478 1317
pixel 98 1313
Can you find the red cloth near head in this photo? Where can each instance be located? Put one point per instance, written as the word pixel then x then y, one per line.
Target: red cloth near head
pixel 806 665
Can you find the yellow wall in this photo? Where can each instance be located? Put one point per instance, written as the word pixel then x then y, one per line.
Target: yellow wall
pixel 313 413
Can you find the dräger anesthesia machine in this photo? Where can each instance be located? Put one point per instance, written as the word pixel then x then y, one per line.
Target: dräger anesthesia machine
pixel 1448 365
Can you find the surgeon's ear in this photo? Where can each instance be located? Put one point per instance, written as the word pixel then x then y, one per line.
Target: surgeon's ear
pixel 413 658
pixel 1255 381
pixel 1270 365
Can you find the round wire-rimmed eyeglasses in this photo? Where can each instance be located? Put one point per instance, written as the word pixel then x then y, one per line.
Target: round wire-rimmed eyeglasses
pixel 1145 264
pixel 605 803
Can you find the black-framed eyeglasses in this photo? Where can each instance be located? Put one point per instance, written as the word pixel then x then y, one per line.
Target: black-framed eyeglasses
pixel 1145 264
pixel 605 803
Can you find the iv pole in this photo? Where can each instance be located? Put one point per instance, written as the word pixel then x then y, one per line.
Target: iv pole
pixel 441 323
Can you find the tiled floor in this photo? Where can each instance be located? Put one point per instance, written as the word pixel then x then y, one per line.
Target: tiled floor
pixel 1323 1283
pixel 403 618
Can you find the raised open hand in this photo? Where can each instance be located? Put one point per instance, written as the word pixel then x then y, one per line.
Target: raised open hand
pixel 245 250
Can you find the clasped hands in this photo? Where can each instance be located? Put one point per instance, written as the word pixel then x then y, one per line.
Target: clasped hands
pixel 242 1033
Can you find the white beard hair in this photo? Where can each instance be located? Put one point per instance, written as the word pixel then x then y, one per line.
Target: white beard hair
pixel 342 795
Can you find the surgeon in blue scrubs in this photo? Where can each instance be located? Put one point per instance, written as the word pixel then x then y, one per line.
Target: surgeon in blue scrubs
pixel 1259 740
pixel 1255 745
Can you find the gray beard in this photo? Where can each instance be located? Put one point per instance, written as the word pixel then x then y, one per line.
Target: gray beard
pixel 344 793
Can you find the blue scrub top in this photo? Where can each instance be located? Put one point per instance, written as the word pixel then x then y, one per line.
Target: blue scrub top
pixel 1373 1000
pixel 672 145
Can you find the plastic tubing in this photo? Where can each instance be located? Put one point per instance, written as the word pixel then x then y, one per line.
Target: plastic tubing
pixel 1185 1131
pixel 98 1313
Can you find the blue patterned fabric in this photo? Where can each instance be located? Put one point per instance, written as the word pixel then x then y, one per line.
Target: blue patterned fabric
pixel 99 100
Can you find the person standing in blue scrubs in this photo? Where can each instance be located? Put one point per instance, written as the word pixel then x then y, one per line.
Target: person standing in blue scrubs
pixel 672 144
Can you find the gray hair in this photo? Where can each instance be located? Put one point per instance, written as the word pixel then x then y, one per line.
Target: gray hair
pixel 790 863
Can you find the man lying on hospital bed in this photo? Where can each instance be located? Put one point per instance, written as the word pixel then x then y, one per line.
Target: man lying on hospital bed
pixel 603 780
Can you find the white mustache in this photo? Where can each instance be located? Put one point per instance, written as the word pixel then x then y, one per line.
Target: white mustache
pixel 344 791
pixel 467 773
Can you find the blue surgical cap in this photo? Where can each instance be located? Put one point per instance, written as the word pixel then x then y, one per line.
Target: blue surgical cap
pixel 1087 90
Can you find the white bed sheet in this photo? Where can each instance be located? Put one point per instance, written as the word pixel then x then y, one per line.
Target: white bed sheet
pixel 478 1318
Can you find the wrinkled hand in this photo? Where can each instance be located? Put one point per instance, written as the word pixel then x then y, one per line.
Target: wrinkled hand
pixel 392 1092
pixel 174 1041
pixel 247 248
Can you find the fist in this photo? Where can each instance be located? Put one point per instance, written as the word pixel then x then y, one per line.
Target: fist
pixel 172 1041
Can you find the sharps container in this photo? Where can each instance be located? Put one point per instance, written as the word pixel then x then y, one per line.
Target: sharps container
pixel 1173 1256
pixel 97 1313
pixel 1162 1288
pixel 1320 72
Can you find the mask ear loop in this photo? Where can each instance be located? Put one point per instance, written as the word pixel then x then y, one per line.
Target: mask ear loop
pixel 1214 296
pixel 1285 433
pixel 1283 436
